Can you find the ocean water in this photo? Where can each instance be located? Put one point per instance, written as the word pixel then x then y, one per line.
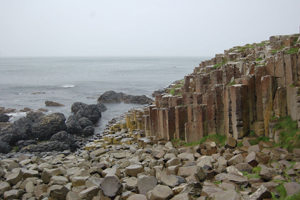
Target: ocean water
pixel 29 82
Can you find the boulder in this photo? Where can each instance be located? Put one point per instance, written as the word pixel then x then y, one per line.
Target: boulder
pixel 133 170
pixel 46 126
pixel 52 103
pixel 261 193
pixel 291 188
pixel 84 122
pixel 84 110
pixel 89 193
pixel 114 97
pixel 101 107
pixel 172 180
pixel 157 92
pixel 4 118
pixel 64 137
pixel 88 131
pixel 73 126
pixel 231 143
pixel 33 116
pixel 12 136
pixel 4 147
pixel 111 186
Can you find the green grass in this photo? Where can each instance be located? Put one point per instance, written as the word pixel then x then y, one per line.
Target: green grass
pixel 288 137
pixel 295 196
pixel 232 83
pixel 251 175
pixel 217 182
pixel 252 133
pixel 218 139
pixel 220 64
pixel 281 190
pixel 256 170
pixel 172 91
pixel 261 44
pixel 239 144
pixel 257 140
pixel 292 51
pixel 258 59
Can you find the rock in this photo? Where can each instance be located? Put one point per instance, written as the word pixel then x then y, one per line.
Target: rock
pixel 88 131
pixel 46 147
pixel 267 173
pixel 236 159
pixel 161 192
pixel 64 137
pixel 137 197
pixel 89 193
pixel 84 122
pixel 12 136
pixel 111 186
pixel 52 103
pixel 237 179
pixel 244 167
pixel 33 116
pixel 58 192
pixel 84 110
pixel 4 118
pixel 15 177
pixel 184 196
pixel 131 183
pixel 13 194
pixel 4 186
pixel 172 180
pixel 101 107
pixel 157 92
pixel 29 187
pixel 58 180
pixel 4 147
pixel 98 152
pixel 46 126
pixel 30 173
pixel 230 143
pixel 73 126
pixel 291 188
pixel 39 190
pixel 114 97
pixel 228 195
pixel 261 193
pixel 145 184
pixel 24 143
pixel 23 125
pixel 133 170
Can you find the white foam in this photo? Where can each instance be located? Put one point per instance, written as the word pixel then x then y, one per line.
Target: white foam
pixel 15 116
pixel 68 86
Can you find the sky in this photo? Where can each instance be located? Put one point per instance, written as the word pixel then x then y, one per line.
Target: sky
pixel 47 28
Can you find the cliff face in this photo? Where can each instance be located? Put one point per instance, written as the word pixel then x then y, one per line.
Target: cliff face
pixel 232 94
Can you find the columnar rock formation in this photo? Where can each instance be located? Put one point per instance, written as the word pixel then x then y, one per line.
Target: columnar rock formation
pixel 232 94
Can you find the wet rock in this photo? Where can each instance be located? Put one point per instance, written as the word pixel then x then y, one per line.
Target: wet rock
pixel 4 118
pixel 46 147
pixel 84 110
pixel 73 126
pixel 46 126
pixel 64 137
pixel 54 104
pixel 101 107
pixel 33 116
pixel 84 122
pixel 114 97
pixel 4 147
pixel 88 131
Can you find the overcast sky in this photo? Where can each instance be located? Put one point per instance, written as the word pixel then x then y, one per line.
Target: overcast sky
pixel 140 27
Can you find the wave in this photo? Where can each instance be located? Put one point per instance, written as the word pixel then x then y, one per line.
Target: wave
pixel 68 86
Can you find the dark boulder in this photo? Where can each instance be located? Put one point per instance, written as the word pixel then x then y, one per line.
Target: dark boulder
pixel 143 99
pixel 46 147
pixel 73 126
pixel 4 147
pixel 157 92
pixel 46 126
pixel 33 116
pixel 84 110
pixel 101 107
pixel 114 97
pixel 63 136
pixel 12 136
pixel 23 125
pixel 88 131
pixel 52 103
pixel 4 118
pixel 111 97
pixel 84 122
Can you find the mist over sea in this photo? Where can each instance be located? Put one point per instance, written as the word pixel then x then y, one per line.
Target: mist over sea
pixel 29 82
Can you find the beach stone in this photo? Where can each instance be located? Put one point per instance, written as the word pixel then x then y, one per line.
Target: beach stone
pixel 251 159
pixel 261 193
pixel 72 196
pixel 133 170
pixel 79 181
pixel 210 190
pixel 111 186
pixel 29 187
pixel 58 192
pixel 186 156
pixel 39 190
pixel 131 183
pixel 184 196
pixel 145 184
pixel 291 188
pixel 137 197
pixel 205 160
pixel 84 122
pixel 161 192
pixel 52 103
pixel 4 186
pixel 236 159
pixel 89 193
pixel 13 194
pixel 98 152
pixel 58 180
pixel 15 177
pixel 173 162
pixel 228 195
pixel 172 180
pixel 237 179
pixel 88 131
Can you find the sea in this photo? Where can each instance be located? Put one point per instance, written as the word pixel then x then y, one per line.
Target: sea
pixel 29 82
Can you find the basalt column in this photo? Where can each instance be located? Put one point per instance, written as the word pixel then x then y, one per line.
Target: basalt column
pixel 180 120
